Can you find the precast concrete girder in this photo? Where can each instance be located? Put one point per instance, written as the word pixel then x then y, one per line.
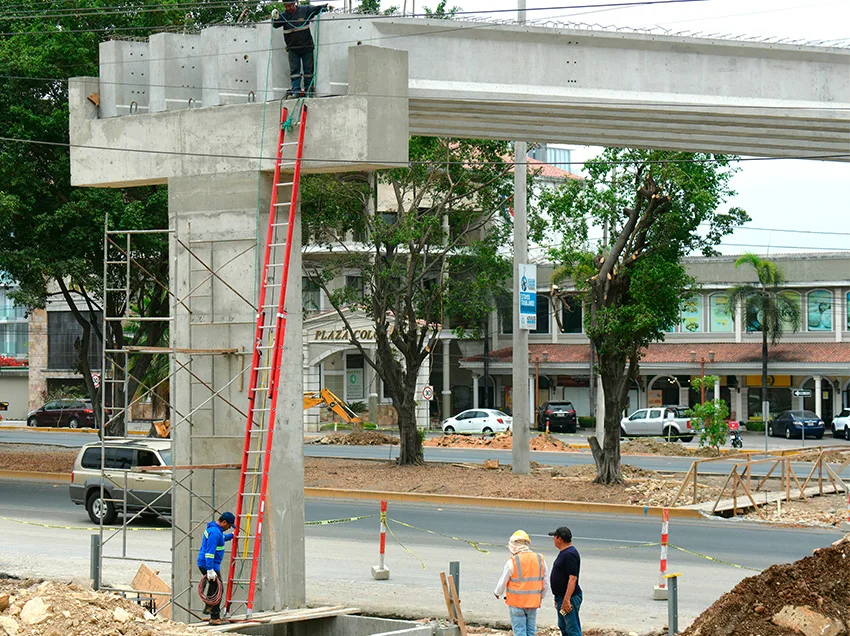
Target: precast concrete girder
pixel 604 88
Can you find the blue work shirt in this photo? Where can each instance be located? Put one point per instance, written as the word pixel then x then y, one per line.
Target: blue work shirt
pixel 212 547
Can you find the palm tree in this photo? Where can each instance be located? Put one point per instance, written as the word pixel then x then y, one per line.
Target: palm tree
pixel 766 307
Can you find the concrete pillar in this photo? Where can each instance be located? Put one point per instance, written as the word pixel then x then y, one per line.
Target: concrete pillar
pixel 372 386
pixel 475 390
pixel 739 322
pixel 739 399
pixel 214 217
pixel 446 359
pixel 818 394
pixel 717 389
pixel 520 452
pixel 37 357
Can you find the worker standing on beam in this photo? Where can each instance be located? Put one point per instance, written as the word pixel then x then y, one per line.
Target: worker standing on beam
pixel 295 21
pixel 523 583
pixel 209 561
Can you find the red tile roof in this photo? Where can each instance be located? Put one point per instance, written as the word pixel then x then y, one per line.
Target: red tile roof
pixel 549 171
pixel 680 353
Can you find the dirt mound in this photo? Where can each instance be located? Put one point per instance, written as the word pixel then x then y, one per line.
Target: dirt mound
pixel 814 590
pixel 357 438
pixel 501 441
pixel 49 460
pixel 53 609
pixel 670 449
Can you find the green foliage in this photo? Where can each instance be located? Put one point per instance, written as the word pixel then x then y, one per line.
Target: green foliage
pixel 67 392
pixel 659 206
pixel 710 420
pixel 586 422
pixel 754 426
pixel 358 407
pixel 434 250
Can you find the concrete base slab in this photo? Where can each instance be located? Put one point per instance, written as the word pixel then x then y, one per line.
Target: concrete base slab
pixel 845 526
pixel 659 593
pixel 379 573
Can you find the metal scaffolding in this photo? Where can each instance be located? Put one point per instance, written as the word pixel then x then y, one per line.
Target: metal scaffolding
pixel 199 368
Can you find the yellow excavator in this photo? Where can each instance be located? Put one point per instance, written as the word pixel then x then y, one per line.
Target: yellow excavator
pixel 162 428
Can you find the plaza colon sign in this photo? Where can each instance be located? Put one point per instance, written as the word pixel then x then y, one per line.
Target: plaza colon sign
pixel 342 335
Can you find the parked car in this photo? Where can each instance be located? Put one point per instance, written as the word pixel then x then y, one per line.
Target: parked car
pixel 841 425
pixel 480 421
pixel 148 491
pixel 670 422
pixel 71 413
pixel 792 423
pixel 561 417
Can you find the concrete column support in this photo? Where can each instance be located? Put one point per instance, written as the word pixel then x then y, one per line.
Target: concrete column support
pixel 475 378
pixel 818 395
pixel 37 355
pixel 739 400
pixel 520 452
pixel 717 389
pixel 214 217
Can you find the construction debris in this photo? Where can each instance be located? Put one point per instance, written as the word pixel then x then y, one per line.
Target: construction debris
pixel 829 510
pixel 357 438
pixel 809 597
pixel 50 608
pixel 652 446
pixel 500 441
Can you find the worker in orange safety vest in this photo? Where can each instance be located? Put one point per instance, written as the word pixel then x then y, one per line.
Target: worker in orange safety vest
pixel 523 584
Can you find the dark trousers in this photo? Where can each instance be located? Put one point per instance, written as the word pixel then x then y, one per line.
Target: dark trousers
pixel 212 588
pixel 300 59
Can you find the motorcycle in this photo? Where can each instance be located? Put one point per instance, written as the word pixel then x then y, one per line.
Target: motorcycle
pixel 734 435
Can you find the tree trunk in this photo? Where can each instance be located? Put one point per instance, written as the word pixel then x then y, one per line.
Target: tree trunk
pixel 607 457
pixel 410 453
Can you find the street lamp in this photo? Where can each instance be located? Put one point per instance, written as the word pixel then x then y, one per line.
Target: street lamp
pixel 702 372
pixel 543 356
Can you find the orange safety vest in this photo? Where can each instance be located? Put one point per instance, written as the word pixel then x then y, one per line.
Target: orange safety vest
pixel 525 587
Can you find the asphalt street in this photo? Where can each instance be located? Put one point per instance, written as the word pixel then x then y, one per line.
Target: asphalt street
pixel 618 572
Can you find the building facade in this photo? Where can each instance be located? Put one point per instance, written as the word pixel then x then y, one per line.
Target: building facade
pixel 814 357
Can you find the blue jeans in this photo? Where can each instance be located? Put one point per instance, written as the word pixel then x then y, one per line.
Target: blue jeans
pixel 523 621
pixel 570 625
pixel 298 59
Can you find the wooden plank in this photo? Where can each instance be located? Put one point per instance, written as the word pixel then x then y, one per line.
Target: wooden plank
pixel 146 580
pixel 750 495
pixel 460 622
pixel 278 618
pixel 449 608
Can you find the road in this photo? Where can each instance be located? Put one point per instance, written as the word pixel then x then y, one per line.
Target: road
pixel 450 455
pixel 617 574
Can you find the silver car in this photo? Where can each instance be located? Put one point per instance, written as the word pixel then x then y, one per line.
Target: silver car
pixel 138 471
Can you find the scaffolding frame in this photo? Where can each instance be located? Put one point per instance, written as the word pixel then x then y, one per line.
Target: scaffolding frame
pixel 119 267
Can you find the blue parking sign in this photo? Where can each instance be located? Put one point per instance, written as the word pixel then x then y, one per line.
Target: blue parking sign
pixel 528 296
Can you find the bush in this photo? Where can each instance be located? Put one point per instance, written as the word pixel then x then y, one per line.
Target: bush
pixel 710 422
pixel 754 426
pixel 358 407
pixel 585 421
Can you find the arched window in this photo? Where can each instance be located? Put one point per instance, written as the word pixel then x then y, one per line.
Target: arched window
pixel 720 320
pixel 819 310
pixel 691 317
pixel 788 325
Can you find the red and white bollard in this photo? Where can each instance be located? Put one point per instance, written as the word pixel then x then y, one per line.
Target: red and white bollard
pixel 660 590
pixel 380 572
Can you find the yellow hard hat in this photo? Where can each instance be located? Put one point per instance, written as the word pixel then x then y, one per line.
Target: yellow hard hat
pixel 520 535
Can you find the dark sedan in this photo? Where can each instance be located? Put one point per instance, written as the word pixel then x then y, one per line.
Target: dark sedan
pixel 70 413
pixel 796 424
pixel 561 417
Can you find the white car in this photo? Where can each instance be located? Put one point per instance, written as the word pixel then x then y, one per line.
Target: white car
pixel 670 422
pixel 481 421
pixel 841 425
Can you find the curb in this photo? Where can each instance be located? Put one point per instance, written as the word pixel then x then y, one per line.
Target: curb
pixel 536 505
pixel 29 475
pixel 53 429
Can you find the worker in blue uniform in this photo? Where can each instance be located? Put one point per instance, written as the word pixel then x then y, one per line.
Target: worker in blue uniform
pixel 209 560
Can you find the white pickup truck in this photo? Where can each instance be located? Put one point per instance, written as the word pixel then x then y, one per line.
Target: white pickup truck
pixel 670 422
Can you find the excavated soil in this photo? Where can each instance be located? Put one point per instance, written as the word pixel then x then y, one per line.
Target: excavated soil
pixel 42 459
pixel 820 583
pixel 565 483
pixel 669 449
pixel 357 438
pixel 52 608
pixel 829 510
pixel 500 441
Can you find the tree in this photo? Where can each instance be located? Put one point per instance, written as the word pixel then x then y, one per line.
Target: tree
pixel 710 416
pixel 767 309
pixel 433 251
pixel 659 207
pixel 52 234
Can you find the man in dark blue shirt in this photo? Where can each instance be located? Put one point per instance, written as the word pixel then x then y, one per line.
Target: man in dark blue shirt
pixel 564 582
pixel 295 21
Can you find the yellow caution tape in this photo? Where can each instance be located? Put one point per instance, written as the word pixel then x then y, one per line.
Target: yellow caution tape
pixel 328 522
pixel 623 547
pixel 710 558
pixel 405 548
pixel 89 529
pixel 474 544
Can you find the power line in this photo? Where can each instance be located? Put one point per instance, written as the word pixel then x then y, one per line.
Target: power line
pixel 355 162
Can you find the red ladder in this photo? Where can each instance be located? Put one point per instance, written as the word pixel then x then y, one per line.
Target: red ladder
pixel 265 377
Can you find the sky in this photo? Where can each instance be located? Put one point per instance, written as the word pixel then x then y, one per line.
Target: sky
pixel 792 195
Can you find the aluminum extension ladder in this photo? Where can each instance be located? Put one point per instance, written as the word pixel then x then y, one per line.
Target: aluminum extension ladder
pixel 268 344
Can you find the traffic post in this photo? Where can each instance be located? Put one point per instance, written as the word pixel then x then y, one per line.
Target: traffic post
pixel 660 591
pixel 380 572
